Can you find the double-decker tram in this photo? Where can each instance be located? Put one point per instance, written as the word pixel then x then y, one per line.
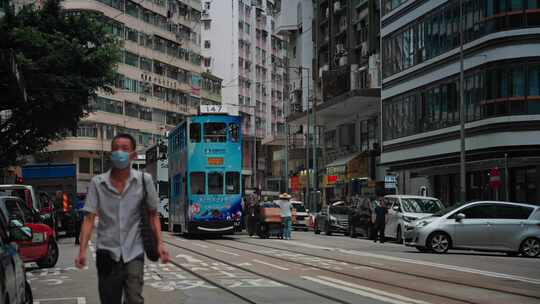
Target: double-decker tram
pixel 205 166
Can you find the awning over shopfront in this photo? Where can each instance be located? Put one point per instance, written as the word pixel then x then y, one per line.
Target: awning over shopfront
pixel 362 102
pixel 346 168
pixel 343 161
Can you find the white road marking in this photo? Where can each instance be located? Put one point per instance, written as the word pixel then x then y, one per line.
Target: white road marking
pixel 227 274
pixel 227 252
pixel 199 245
pixel 188 258
pixel 447 267
pixel 270 265
pixel 80 300
pixel 424 263
pixel 364 291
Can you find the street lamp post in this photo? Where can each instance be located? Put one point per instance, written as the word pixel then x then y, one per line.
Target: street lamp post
pixel 307 167
pixel 462 169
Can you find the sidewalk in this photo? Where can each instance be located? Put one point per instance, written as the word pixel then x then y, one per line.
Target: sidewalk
pixel 66 284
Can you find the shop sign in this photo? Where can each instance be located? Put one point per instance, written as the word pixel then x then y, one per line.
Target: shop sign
pixel 390 182
pixel 331 179
pixel 495 178
pixel 295 183
pixel 358 167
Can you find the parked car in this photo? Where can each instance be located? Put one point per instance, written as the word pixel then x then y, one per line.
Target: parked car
pixel 331 219
pixel 14 287
pixel 37 201
pixel 302 216
pixel 404 209
pixel 42 248
pixel 489 226
pixel 360 217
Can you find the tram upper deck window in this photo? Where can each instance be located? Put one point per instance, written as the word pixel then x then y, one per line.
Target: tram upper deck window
pixel 197 183
pixel 233 132
pixel 195 132
pixel 232 182
pixel 215 183
pixel 215 132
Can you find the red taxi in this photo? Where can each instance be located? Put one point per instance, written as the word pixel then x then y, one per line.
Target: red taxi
pixel 42 248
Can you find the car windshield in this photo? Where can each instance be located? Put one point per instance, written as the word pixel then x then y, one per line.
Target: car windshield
pixel 339 210
pixel 421 205
pixel 299 207
pixel 447 210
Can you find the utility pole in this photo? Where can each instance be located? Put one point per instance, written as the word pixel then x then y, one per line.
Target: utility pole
pixel 308 182
pixel 462 169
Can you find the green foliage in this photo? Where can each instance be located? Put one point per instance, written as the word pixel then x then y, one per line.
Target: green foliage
pixel 65 57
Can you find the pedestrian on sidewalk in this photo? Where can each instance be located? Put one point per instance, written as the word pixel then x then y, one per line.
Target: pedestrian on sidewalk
pixel 380 220
pixel 285 208
pixel 117 196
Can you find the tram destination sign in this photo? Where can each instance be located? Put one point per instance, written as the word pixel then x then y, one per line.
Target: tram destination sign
pixel 215 161
pixel 218 109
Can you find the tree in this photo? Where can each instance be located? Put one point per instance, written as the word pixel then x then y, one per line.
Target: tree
pixel 65 57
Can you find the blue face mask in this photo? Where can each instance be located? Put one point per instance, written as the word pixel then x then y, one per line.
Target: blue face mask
pixel 120 159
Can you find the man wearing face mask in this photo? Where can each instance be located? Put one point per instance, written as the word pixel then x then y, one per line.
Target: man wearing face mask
pixel 116 196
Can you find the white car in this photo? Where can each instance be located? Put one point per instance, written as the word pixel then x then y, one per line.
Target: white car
pixel 302 216
pixel 403 210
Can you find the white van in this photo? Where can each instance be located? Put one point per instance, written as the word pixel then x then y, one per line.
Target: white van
pixel 302 216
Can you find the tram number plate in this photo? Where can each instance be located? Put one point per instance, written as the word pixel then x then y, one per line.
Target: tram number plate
pixel 215 161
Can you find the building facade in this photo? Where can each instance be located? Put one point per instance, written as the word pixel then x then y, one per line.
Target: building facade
pixel 239 47
pixel 346 96
pixel 159 80
pixel 421 97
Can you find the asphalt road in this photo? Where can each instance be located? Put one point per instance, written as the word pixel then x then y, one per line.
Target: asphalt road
pixel 308 269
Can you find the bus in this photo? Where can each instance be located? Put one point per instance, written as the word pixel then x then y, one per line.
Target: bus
pixel 205 169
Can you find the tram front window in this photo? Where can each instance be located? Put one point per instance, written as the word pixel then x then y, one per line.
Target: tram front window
pixel 197 183
pixel 215 183
pixel 215 132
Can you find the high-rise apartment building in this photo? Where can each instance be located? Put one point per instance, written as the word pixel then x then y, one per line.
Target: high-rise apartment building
pixel 501 90
pixel 346 96
pixel 159 80
pixel 239 46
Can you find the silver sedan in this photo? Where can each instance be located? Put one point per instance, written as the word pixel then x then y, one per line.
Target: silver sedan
pixel 486 226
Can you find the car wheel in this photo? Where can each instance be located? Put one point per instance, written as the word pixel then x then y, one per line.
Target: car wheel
pixel 28 297
pixel 52 256
pixel 422 249
pixel 399 235
pixel 327 230
pixel 439 242
pixel 316 228
pixel 530 247
pixel 352 232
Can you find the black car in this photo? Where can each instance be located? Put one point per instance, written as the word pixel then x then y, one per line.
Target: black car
pixel 14 289
pixel 333 219
pixel 360 217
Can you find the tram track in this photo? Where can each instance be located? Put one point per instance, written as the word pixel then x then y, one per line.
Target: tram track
pixel 234 293
pixel 415 275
